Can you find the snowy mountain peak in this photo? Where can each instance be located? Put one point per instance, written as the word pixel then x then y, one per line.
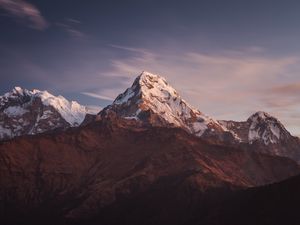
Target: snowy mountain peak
pixel 156 86
pixel 260 115
pixel 265 134
pixel 152 92
pixel 151 99
pixel 30 112
pixel 71 111
pixel 18 90
pixel 145 86
pixel 265 128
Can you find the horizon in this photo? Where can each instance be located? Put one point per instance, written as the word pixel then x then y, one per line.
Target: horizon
pixel 228 60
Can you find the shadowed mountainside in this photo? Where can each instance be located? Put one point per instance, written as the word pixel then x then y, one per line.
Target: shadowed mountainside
pixel 96 172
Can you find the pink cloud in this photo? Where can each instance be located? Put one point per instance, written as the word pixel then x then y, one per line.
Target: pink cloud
pixel 225 84
pixel 26 12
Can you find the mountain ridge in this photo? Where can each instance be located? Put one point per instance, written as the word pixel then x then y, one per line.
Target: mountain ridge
pixel 152 101
pixel 140 161
pixel 25 112
pixel 82 171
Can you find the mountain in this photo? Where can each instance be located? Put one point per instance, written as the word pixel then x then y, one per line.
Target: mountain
pixel 274 204
pixel 148 158
pixel 152 101
pixel 117 171
pixel 264 133
pixel 24 112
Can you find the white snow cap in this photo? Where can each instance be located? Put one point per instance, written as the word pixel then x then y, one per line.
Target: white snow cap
pixel 71 111
pixel 264 127
pixel 152 92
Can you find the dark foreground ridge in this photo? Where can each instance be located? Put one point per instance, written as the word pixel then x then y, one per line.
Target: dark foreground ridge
pixel 117 171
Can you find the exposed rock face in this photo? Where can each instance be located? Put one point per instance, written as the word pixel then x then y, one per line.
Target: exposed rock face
pixel 84 171
pixel 154 102
pixel 264 133
pixel 24 112
pixel 149 158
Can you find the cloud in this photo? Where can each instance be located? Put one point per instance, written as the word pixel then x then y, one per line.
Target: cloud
pixel 282 97
pixel 283 100
pixel 98 96
pixel 132 49
pixel 225 84
pixel 93 109
pixel 287 89
pixel 26 12
pixel 74 20
pixel 70 26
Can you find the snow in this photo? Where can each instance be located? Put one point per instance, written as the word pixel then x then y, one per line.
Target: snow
pixel 164 100
pixel 18 90
pixel 199 128
pixel 18 102
pixel 4 132
pixel 264 127
pixel 152 92
pixel 225 124
pixel 253 135
pixel 71 111
pixel 129 93
pixel 46 115
pixel 15 111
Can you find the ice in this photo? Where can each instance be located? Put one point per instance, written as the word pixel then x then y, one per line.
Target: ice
pixel 15 111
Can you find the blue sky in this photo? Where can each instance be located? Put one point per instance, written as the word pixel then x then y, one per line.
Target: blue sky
pixel 227 58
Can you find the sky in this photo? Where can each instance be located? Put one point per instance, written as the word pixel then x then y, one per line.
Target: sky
pixel 228 59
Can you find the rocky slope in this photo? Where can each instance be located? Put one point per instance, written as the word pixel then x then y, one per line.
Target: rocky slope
pixel 87 174
pixel 24 112
pixel 275 204
pixel 149 158
pixel 264 133
pixel 154 102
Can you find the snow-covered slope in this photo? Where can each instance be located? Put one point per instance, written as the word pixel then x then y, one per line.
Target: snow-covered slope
pixel 265 133
pixel 265 128
pixel 260 127
pixel 152 100
pixel 31 112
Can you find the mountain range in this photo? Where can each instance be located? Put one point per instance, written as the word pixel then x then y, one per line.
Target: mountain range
pixel 148 158
pixel 25 112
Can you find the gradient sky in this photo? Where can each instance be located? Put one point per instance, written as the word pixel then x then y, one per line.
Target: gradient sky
pixel 228 58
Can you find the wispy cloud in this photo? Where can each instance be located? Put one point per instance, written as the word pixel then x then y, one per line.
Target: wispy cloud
pixel 93 109
pixel 25 12
pixel 98 96
pixel 73 20
pixel 132 49
pixel 287 89
pixel 225 84
pixel 70 26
